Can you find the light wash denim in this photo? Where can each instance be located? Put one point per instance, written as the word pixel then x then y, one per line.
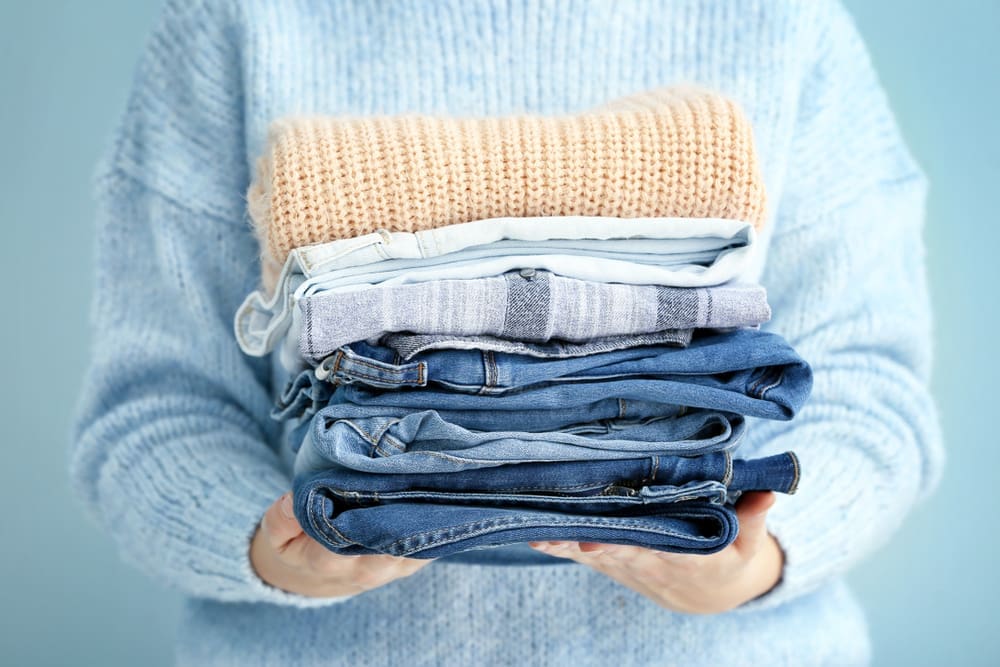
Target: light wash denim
pixel 527 305
pixel 407 345
pixel 424 442
pixel 747 371
pixel 305 395
pixel 675 252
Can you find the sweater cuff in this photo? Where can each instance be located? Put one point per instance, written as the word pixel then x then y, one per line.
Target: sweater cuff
pixel 256 589
pixel 806 561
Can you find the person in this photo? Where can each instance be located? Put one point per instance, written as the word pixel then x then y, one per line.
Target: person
pixel 174 451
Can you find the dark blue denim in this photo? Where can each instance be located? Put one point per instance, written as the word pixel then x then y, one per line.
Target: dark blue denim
pixel 749 372
pixel 621 502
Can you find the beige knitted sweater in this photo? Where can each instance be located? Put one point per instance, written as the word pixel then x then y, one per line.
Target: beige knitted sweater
pixel 682 151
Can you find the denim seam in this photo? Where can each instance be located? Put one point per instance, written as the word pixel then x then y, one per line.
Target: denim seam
pixel 727 478
pixel 392 442
pixel 492 373
pixel 766 376
pixel 360 361
pixel 781 378
pixel 365 434
pixel 307 307
pixel 388 497
pixel 311 502
pixel 516 523
pixel 308 266
pixel 795 479
pixel 347 375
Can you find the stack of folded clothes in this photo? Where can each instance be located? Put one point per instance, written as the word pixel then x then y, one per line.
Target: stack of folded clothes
pixel 505 330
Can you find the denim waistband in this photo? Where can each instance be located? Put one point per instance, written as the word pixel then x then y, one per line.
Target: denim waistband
pixel 747 371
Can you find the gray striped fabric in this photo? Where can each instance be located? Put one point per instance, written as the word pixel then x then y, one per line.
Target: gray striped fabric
pixel 530 306
pixel 409 345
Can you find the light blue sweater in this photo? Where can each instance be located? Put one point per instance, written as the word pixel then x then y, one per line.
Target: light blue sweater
pixel 174 451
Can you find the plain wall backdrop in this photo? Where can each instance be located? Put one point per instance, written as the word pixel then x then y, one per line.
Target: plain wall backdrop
pixel 64 75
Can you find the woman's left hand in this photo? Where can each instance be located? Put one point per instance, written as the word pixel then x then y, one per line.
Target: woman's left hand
pixel 690 583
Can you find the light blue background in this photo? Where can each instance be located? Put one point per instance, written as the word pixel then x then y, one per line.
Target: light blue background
pixel 64 73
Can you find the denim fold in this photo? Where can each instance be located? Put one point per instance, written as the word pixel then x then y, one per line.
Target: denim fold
pixel 747 371
pixel 668 504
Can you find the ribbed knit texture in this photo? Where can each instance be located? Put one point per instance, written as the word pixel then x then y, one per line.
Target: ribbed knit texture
pixel 174 452
pixel 670 152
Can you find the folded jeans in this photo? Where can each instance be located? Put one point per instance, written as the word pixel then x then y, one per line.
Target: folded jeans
pixel 747 371
pixel 354 513
pixel 423 442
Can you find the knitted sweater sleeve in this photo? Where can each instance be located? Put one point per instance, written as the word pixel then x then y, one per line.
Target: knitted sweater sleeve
pixel 170 448
pixel 846 279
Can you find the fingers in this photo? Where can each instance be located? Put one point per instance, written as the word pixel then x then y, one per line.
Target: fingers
pixel 589 553
pixel 364 572
pixel 279 526
pixel 751 510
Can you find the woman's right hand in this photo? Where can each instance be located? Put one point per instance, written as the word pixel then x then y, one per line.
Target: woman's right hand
pixel 286 558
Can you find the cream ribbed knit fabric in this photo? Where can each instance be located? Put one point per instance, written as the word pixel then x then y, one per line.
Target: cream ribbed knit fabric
pixel 679 151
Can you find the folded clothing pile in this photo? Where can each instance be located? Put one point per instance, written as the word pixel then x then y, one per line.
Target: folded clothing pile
pixel 497 331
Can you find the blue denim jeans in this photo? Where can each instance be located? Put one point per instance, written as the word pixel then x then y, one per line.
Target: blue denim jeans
pixel 617 502
pixel 749 372
pixel 306 395
pixel 425 443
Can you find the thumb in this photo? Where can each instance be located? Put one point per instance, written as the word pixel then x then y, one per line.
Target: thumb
pixel 751 511
pixel 279 525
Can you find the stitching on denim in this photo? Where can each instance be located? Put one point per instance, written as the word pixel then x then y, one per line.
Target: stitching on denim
pixel 753 386
pixel 364 434
pixel 795 480
pixel 397 375
pixel 767 376
pixel 394 496
pixel 307 306
pixel 314 502
pixel 392 441
pixel 377 449
pixel 347 540
pixel 355 373
pixel 727 477
pixel 311 501
pixel 494 524
pixel 781 378
pixel 309 265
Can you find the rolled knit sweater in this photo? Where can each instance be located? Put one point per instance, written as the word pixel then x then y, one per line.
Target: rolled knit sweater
pixel 670 152
pixel 174 452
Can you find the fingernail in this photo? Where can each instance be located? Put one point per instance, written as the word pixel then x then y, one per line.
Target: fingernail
pixel 285 506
